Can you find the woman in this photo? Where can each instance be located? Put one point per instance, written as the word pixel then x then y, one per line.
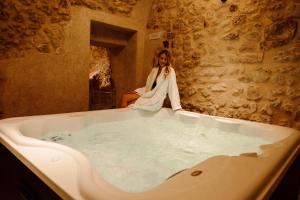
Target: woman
pixel 160 82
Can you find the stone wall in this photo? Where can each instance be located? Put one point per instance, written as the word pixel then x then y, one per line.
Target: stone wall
pixel 44 51
pixel 100 69
pixel 28 25
pixel 102 93
pixel 236 59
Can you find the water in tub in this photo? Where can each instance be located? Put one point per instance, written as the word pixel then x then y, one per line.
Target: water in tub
pixel 139 154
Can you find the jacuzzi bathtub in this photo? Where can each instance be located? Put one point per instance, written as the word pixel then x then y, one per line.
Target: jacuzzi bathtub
pixel 70 174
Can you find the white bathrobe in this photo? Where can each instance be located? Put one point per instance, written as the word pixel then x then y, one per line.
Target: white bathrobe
pixel 153 100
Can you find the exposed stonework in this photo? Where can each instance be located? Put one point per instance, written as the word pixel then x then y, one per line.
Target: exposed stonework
pixel 251 58
pixel 28 25
pixel 219 87
pixel 261 118
pixel 53 38
pixel 240 19
pixel 100 67
pixel 101 88
pixel 243 55
pixel 254 93
pixel 231 36
pixel 291 54
pixel 280 33
pixel 118 6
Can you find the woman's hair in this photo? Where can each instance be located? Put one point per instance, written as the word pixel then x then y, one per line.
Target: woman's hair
pixel 168 54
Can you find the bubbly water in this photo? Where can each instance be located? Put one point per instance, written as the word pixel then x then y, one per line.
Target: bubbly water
pixel 139 154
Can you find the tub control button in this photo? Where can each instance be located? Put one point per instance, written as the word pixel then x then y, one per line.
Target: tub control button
pixel 196 173
pixel 55 158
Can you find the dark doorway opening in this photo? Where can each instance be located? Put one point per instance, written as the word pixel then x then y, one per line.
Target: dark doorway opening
pixel 112 64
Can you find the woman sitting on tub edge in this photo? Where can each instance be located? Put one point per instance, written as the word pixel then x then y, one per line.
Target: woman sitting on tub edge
pixel 160 82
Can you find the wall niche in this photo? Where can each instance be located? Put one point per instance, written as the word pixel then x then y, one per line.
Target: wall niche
pixel 113 61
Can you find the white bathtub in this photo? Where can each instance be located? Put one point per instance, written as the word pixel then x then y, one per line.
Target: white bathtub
pixel 70 174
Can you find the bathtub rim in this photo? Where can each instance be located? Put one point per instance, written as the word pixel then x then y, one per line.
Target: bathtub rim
pixel 265 192
pixel 35 170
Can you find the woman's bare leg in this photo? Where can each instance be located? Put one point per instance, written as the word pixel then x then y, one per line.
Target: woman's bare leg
pixel 127 99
